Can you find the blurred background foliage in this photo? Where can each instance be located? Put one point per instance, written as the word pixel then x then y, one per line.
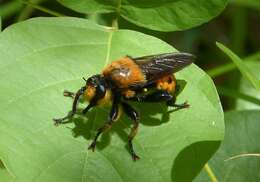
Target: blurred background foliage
pixel 236 27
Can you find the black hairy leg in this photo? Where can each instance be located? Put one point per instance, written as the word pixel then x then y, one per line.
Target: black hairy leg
pixel 67 93
pixel 76 97
pixel 134 116
pixel 114 113
pixel 160 96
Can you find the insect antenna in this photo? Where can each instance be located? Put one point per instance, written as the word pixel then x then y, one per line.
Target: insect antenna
pixel 84 79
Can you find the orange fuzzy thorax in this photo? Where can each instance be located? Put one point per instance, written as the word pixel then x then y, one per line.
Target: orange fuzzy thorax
pixel 135 74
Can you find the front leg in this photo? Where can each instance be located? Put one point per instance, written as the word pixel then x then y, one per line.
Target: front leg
pixel 67 93
pixel 113 116
pixel 58 121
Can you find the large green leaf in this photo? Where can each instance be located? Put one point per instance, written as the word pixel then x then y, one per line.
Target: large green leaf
pixel 241 137
pixel 164 15
pixel 42 57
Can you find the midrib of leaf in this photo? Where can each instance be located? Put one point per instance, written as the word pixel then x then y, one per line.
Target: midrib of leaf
pixel 86 156
pixel 109 42
pixel 84 166
pixel 114 27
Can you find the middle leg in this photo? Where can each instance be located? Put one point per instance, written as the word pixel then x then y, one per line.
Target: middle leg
pixel 132 114
pixel 113 116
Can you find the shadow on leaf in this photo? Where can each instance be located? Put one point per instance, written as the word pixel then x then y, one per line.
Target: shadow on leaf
pixel 192 157
pixel 151 114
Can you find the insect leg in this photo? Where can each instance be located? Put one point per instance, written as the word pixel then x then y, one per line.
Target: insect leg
pixel 100 93
pixel 74 108
pixel 160 96
pixel 131 113
pixel 67 93
pixel 90 105
pixel 114 114
pixel 178 106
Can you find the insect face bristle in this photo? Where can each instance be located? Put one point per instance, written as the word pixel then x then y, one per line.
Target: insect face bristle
pixel 84 79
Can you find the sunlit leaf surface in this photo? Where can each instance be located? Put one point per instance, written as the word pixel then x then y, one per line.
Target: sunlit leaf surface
pixel 42 57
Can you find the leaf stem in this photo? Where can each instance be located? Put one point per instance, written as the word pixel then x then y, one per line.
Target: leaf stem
pixel 241 156
pixel 28 10
pixel 43 9
pixel 210 173
pixel 115 23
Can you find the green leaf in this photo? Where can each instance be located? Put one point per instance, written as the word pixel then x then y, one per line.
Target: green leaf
pixel 247 88
pixel 166 15
pixel 241 137
pixel 241 66
pixel 41 57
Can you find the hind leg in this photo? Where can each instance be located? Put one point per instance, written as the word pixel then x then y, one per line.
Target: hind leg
pixel 160 96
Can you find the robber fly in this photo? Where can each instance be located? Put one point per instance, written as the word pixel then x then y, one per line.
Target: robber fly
pixel 141 79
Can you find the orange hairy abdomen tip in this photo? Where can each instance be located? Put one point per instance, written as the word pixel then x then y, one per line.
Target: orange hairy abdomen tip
pixel 129 93
pixel 167 83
